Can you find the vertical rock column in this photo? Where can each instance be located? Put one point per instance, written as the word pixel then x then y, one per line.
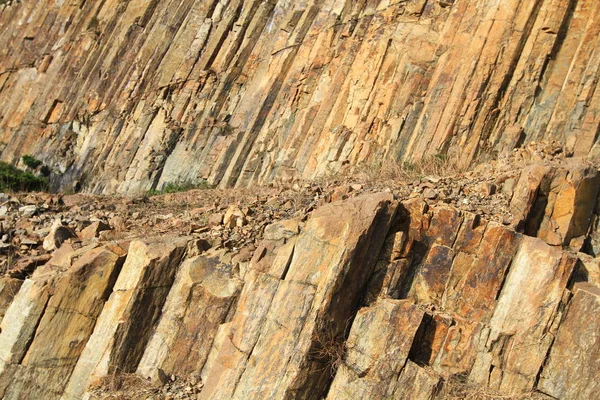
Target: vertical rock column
pixel 275 349
pixel 130 314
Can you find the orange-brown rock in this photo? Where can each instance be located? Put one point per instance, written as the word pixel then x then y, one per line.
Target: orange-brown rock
pixel 198 303
pixel 128 96
pixel 49 323
pixel 130 314
pixel 556 204
pixel 93 230
pixel 523 324
pixel 279 319
pixel 377 350
pixel 367 297
pixel 573 365
pixel 8 289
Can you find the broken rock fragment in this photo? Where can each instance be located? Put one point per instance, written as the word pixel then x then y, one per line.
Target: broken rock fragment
pixel 58 234
pixel 93 230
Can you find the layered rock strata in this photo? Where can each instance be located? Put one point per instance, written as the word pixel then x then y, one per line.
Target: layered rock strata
pixel 125 96
pixel 369 297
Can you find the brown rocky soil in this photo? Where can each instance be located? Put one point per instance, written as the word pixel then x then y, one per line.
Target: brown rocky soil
pixel 27 218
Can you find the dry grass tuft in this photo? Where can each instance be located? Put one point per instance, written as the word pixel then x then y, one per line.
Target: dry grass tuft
pixel 457 388
pixel 329 348
pixel 122 386
pixel 398 171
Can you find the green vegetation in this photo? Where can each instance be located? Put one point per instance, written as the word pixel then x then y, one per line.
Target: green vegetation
pixel 16 180
pixel 179 187
pixel 31 162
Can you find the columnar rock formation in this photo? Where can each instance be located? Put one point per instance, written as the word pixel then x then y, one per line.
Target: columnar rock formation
pixel 376 296
pixel 371 297
pixel 124 96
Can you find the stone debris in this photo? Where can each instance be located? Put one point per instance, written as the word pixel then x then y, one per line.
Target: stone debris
pixel 57 236
pixel 383 293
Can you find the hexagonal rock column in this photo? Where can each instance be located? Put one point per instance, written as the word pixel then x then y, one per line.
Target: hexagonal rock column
pixel 273 345
pixel 49 322
pixel 130 314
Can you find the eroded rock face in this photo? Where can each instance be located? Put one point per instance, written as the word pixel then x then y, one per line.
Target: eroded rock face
pixel 556 204
pixel 573 366
pixel 198 303
pixel 148 92
pixel 49 322
pixel 130 314
pixel 523 324
pixel 279 319
pixel 367 297
pixel 8 289
pixel 375 360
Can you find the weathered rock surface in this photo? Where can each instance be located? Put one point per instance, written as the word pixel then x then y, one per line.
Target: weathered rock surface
pixel 58 234
pixel 367 297
pixel 8 289
pixel 130 313
pixel 124 96
pixel 524 321
pixel 198 303
pixel 279 319
pixel 556 204
pixel 375 361
pixel 49 323
pixel 573 364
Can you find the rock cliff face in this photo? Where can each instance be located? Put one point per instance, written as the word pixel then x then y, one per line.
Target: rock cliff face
pixel 433 289
pixel 128 95
pixel 371 297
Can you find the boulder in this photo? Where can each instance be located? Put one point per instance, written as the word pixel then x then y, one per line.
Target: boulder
pixel 234 217
pixel 58 234
pixel 28 211
pixel 282 230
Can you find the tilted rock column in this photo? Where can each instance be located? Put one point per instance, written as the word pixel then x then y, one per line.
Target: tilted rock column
pixel 49 322
pixel 199 301
pixel 524 322
pixel 274 349
pixel 573 366
pixel 131 312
